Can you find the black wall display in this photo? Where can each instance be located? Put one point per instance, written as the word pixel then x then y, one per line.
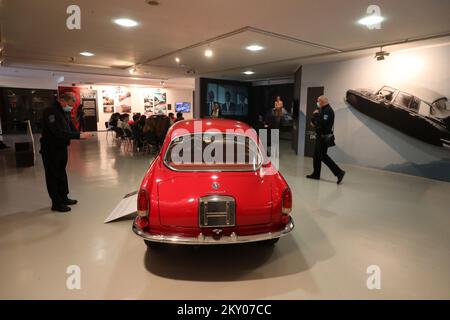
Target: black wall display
pixel 232 96
pixel 90 114
pixel 296 108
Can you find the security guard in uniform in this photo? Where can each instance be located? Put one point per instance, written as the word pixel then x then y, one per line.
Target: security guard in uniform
pixel 57 131
pixel 323 122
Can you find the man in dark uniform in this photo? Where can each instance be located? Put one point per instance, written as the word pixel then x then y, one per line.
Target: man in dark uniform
pixel 57 131
pixel 323 122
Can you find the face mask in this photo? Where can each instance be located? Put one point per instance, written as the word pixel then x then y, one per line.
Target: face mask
pixel 67 108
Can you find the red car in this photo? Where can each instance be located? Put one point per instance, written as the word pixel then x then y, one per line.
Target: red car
pixel 212 183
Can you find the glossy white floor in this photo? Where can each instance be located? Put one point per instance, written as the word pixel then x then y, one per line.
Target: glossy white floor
pixel 397 222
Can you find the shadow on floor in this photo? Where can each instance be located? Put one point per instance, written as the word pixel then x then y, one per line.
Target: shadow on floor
pixel 226 262
pixel 31 227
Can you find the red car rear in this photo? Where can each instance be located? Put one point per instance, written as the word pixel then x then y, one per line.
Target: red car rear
pixel 212 184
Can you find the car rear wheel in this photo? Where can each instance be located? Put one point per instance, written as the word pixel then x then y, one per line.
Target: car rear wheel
pixel 270 242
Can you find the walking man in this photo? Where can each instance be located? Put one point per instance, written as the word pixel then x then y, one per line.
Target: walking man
pixel 323 122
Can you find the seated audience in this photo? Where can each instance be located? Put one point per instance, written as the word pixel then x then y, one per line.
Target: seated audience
pixel 172 118
pixel 123 122
pixel 179 117
pixel 113 120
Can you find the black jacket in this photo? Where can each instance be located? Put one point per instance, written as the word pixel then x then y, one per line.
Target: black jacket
pixel 57 128
pixel 324 120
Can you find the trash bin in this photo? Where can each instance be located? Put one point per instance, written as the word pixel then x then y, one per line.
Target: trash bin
pixel 24 154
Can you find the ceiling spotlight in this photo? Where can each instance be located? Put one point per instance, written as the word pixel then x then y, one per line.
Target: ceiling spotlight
pixel 125 22
pixel 133 70
pixel 177 60
pixel 381 54
pixel 248 72
pixel 87 54
pixel 254 47
pixel 371 20
pixel 208 53
pixel 162 83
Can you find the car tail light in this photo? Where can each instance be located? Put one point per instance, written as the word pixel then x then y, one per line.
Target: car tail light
pixel 143 203
pixel 286 202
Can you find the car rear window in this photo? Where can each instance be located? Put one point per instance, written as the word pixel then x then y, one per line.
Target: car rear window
pixel 213 152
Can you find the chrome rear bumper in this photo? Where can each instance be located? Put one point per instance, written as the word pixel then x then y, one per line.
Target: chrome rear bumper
pixel 202 239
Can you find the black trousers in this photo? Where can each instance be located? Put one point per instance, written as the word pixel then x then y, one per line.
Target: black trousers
pixel 320 155
pixel 55 162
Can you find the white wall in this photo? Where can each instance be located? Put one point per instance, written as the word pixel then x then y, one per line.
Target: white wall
pixel 364 141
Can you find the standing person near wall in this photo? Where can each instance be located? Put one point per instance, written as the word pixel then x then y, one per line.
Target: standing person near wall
pixel 216 112
pixel 278 107
pixel 57 131
pixel 323 122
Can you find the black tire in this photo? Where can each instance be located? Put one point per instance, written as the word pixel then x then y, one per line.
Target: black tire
pixel 270 242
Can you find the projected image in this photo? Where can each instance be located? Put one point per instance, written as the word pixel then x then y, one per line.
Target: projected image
pixel 232 100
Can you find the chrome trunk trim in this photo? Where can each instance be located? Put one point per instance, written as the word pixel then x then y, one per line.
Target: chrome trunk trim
pixel 201 239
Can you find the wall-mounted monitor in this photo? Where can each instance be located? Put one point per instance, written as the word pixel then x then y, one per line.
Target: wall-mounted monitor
pixel 183 107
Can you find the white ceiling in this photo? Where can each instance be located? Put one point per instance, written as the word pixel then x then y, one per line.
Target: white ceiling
pixel 34 34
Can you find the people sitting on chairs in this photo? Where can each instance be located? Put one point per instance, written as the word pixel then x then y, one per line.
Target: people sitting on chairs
pixel 123 122
pixel 172 118
pixel 113 120
pixel 179 117
pixel 137 129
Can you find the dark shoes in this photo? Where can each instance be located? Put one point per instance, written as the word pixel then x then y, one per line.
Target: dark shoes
pixel 70 202
pixel 64 207
pixel 340 176
pixel 60 208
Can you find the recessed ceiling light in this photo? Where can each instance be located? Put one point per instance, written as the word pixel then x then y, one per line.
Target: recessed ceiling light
pixel 87 54
pixel 125 22
pixel 177 60
pixel 254 47
pixel 248 72
pixel 208 53
pixel 133 70
pixel 371 20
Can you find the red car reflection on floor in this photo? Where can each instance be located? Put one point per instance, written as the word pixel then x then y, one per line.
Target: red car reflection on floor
pixel 212 183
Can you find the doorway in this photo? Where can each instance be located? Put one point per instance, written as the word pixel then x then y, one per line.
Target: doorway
pixel 310 136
